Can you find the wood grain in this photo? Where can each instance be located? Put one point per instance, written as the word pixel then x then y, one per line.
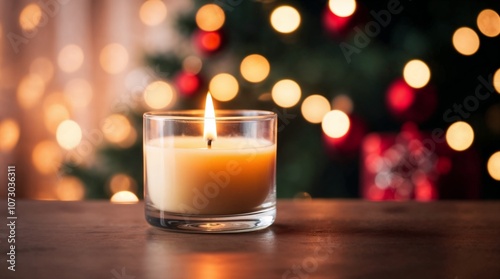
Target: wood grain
pixel 310 239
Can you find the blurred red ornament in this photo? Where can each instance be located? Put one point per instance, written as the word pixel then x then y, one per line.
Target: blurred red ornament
pixel 410 104
pixel 417 165
pixel 398 167
pixel 334 23
pixel 187 83
pixel 208 42
pixel 348 144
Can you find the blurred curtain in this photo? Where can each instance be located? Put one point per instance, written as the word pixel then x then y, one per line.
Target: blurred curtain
pixel 69 60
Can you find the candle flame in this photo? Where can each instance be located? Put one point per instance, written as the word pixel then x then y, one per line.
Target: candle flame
pixel 210 131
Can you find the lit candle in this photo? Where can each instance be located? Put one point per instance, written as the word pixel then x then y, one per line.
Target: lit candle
pixel 207 175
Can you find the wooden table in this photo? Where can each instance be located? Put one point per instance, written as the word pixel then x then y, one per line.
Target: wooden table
pixel 310 239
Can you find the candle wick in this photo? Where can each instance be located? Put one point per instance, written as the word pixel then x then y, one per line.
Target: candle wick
pixel 209 143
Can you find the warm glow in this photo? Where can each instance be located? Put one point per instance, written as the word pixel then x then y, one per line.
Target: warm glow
pixel 153 12
pixel 42 67
pixel 286 93
pixel 314 108
pixel 130 140
pixel 124 197
pixel 465 41
pixel 416 73
pixel 496 80
pixel 159 95
pixel 192 64
pixel 223 87
pixel 343 103
pixel 70 188
pixel 9 134
pixel 113 58
pixel 494 166
pixel 53 115
pixel 68 134
pixel 210 41
pixel 70 58
pixel 210 129
pixel 30 90
pixel 342 8
pixel 285 19
pixel 488 22
pixel 460 136
pixel 78 92
pixel 121 182
pixel 210 17
pixel 30 17
pixel 116 128
pixel 255 68
pixel 400 96
pixel 55 111
pixel 335 124
pixel 46 157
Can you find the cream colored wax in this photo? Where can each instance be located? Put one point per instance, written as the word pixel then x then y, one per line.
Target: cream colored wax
pixel 234 176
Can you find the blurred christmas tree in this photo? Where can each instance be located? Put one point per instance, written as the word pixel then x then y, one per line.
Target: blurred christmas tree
pixel 303 59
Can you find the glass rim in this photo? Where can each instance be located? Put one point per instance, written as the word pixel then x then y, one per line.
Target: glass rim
pixel 220 115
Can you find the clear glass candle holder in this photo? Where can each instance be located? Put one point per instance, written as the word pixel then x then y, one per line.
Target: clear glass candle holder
pixel 223 185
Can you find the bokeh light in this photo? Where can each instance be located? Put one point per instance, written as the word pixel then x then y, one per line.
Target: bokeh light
pixel 46 157
pixel 209 41
pixel 342 102
pixel 70 188
pixel 43 68
pixel 335 124
pixel 159 95
pixel 400 96
pixel 68 134
pixel 460 136
pixel 494 165
pixel 114 58
pixel 285 19
pixel 286 93
pixel 124 197
pixel 314 108
pixel 223 87
pixel 255 68
pixel 78 92
pixel 116 128
pixel 70 58
pixel 9 134
pixel 416 73
pixel 342 8
pixel 30 17
pixel 54 115
pixel 496 81
pixel 55 111
pixel 466 41
pixel 192 64
pixel 30 90
pixel 488 22
pixel 210 17
pixel 122 182
pixel 153 12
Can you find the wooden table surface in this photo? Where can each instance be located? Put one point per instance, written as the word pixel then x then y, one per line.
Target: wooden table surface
pixel 310 239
